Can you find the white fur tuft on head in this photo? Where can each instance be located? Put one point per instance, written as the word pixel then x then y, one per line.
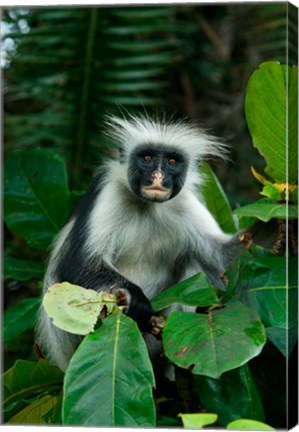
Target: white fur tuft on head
pixel 187 137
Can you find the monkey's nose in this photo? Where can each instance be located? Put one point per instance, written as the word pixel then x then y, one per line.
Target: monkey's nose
pixel 158 175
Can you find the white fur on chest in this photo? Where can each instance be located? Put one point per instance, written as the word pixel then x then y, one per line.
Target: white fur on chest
pixel 142 241
pixel 150 253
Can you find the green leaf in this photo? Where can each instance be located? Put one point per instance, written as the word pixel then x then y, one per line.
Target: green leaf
pixel 264 285
pixel 144 12
pixel 271 100
pixel 73 308
pixel 62 84
pixel 27 380
pixel 284 339
pixel 245 424
pixel 194 291
pixel 197 421
pixel 213 343
pixel 216 200
pixel 22 270
pixel 109 380
pixel 33 413
pixel 20 318
pixel 266 210
pixel 36 196
pixel 271 192
pixel 234 395
pixel 133 74
pixel 292 118
pixel 53 416
pixel 130 86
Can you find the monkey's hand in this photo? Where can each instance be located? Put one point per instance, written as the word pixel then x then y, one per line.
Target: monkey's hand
pixel 122 299
pixel 157 322
pixel 132 301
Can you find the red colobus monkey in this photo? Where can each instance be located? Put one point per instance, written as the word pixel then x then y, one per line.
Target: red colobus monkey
pixel 140 226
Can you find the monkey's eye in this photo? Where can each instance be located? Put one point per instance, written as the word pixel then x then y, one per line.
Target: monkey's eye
pixel 172 161
pixel 147 158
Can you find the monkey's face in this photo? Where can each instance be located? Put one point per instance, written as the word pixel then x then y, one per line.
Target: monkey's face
pixel 155 173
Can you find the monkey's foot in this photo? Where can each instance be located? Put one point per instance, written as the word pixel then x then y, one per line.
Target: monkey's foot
pixel 157 322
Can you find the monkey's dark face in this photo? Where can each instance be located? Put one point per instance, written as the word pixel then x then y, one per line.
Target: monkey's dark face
pixel 157 174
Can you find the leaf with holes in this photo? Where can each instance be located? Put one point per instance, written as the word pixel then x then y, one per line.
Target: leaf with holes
pixel 216 342
pixel 75 309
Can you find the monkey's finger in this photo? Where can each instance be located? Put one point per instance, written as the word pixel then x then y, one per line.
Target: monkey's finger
pixel 157 322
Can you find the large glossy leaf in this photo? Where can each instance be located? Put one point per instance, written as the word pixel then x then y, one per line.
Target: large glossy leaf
pixel 194 291
pixel 216 200
pixel 22 270
pixel 265 210
pixel 269 286
pixel 25 381
pixel 109 380
pixel 271 107
pixel 292 119
pixel 234 395
pixel 265 285
pixel 36 196
pixel 216 342
pixel 20 318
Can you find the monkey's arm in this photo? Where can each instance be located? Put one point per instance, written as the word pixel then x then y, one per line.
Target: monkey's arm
pixel 76 260
pixel 260 233
pixel 75 268
pixel 98 275
pixel 212 255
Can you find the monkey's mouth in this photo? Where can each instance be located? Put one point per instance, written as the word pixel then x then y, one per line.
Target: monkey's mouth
pixel 155 193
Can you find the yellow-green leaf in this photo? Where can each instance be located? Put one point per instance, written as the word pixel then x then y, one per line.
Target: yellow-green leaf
pixel 73 308
pixel 33 413
pixel 197 421
pixel 247 424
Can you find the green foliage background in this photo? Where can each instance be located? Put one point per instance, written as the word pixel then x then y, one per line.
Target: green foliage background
pixel 64 70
